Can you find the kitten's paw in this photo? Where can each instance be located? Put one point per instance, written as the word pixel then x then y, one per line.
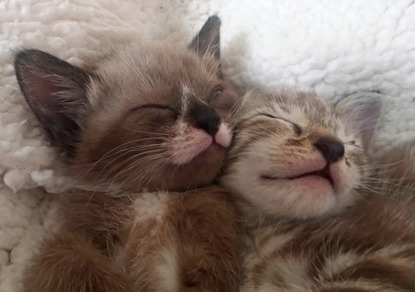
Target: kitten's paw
pixel 70 263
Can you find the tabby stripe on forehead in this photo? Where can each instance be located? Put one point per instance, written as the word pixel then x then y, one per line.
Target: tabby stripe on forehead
pixel 252 139
pixel 241 149
pixel 254 131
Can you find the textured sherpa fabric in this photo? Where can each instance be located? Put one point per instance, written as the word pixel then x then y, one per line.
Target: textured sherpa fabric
pixel 332 47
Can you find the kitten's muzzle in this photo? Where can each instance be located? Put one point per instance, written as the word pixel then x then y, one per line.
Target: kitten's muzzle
pixel 324 173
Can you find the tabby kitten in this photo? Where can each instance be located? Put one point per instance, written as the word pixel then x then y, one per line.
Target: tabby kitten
pixel 143 117
pixel 320 216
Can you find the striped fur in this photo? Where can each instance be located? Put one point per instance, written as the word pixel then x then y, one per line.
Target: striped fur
pixel 305 234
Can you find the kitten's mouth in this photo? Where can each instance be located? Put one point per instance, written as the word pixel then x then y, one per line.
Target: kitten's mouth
pixel 324 173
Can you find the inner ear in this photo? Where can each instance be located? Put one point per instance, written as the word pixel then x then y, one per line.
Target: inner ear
pixel 207 41
pixel 56 91
pixel 363 109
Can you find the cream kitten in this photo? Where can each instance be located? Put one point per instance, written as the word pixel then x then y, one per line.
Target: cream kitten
pixel 320 217
pixel 143 117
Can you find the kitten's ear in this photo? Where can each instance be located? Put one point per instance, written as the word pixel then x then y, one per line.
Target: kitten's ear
pixel 207 41
pixel 363 109
pixel 56 91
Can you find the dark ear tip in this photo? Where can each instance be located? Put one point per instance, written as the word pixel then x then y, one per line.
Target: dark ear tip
pixel 26 56
pixel 212 23
pixel 213 20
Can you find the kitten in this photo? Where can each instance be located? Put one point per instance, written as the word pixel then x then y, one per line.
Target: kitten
pixel 321 217
pixel 144 118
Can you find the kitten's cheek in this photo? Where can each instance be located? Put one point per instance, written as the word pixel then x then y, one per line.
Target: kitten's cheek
pixel 341 178
pixel 184 152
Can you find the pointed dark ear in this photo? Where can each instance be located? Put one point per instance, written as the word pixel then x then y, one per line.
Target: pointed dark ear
pixel 56 91
pixel 363 109
pixel 207 41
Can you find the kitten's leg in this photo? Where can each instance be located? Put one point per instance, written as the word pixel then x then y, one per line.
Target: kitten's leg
pixel 194 246
pixel 208 241
pixel 69 262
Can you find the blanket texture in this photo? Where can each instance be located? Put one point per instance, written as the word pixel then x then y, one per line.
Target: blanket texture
pixel 331 47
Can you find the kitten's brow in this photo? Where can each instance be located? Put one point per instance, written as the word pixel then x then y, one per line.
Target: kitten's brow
pixel 297 128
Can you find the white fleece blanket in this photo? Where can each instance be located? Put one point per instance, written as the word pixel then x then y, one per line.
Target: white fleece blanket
pixel 333 47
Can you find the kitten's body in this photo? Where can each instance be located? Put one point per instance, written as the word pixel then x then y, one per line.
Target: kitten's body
pixel 148 117
pixel 369 248
pixel 154 241
pixel 353 231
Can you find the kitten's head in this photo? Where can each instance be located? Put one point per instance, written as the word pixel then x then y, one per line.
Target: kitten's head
pixel 296 157
pixel 143 116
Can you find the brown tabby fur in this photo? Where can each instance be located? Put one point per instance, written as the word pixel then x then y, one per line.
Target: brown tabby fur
pixel 365 242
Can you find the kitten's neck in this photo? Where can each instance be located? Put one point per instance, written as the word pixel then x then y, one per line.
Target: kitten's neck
pixel 254 217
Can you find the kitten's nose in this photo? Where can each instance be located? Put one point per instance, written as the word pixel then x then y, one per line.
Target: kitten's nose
pixel 331 148
pixel 205 118
pixel 209 123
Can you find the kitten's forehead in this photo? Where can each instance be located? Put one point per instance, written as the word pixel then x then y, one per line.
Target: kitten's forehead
pixel 187 94
pixel 300 107
pixel 157 74
pixel 162 63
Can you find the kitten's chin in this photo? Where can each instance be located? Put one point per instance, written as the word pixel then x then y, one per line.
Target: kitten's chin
pixel 202 146
pixel 214 151
pixel 198 172
pixel 304 197
pixel 311 185
pixel 211 150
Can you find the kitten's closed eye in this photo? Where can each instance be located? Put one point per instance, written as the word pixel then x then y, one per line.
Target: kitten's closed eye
pixel 150 116
pixel 297 129
pixel 354 144
pixel 221 98
pixel 216 93
pixel 155 106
